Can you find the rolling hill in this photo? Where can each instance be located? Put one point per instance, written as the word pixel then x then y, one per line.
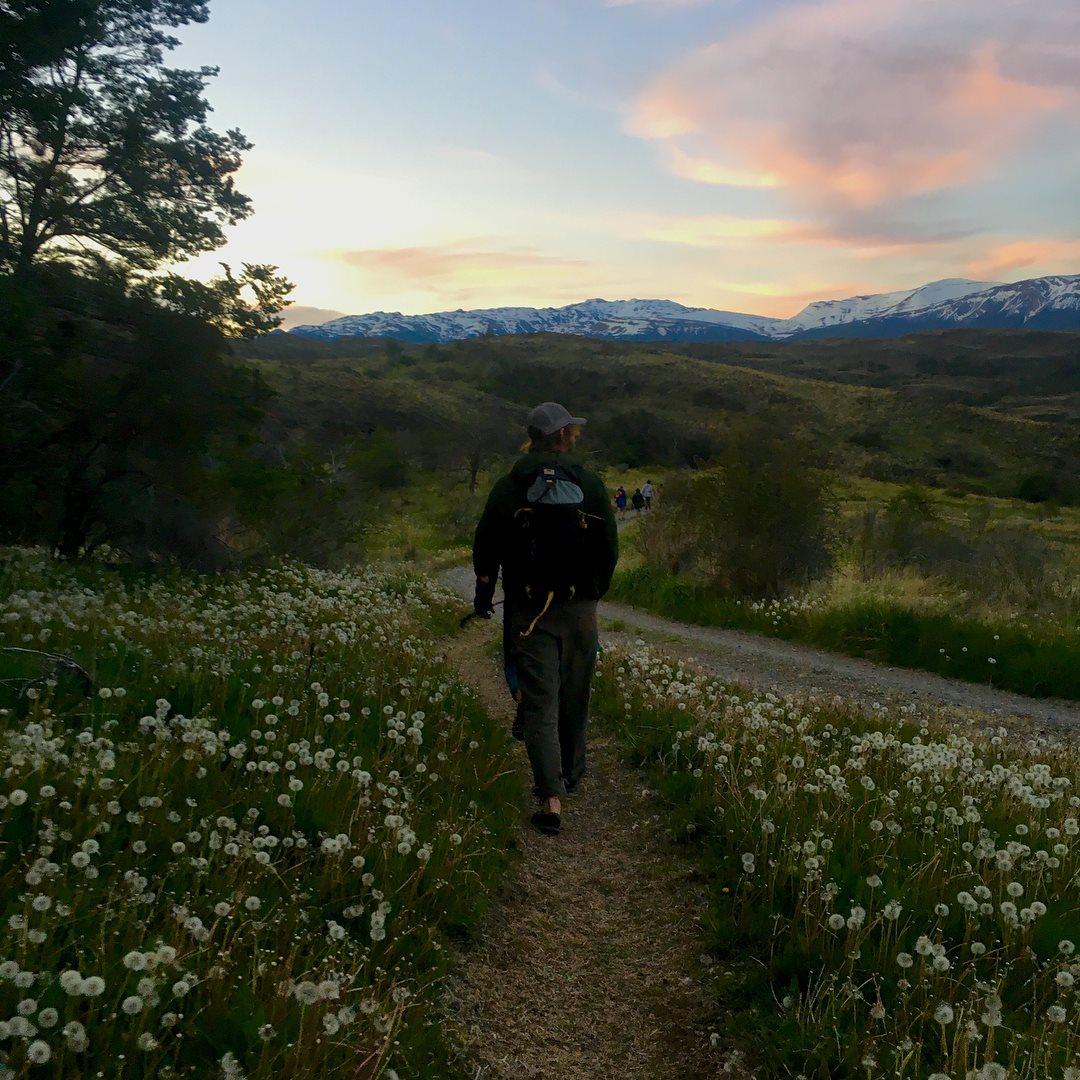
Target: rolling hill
pixel 649 405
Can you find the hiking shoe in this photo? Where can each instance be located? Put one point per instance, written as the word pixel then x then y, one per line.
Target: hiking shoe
pixel 549 823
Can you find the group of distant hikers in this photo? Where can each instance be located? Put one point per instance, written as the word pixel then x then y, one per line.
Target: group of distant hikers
pixel 640 500
pixel 549 526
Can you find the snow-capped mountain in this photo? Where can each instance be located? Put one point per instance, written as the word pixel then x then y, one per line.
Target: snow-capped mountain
pixel 626 320
pixel 822 313
pixel 1048 303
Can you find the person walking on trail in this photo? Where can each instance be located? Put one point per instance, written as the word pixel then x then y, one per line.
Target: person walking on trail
pixel 548 525
pixel 648 491
pixel 620 499
pixel 637 500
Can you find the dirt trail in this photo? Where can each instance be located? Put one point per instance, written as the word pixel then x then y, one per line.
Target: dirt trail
pixel 591 966
pixel 766 663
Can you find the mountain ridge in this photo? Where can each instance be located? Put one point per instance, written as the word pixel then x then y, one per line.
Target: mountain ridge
pixel 1048 303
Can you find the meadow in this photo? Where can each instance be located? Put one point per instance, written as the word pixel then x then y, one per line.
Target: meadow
pixel 889 898
pixel 966 586
pixel 241 816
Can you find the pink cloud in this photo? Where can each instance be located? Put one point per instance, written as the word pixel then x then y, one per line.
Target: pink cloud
pixel 439 263
pixel 464 272
pixel 851 103
pixel 1035 256
pixel 862 237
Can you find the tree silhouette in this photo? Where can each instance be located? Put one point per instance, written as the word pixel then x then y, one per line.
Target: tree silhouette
pixel 104 151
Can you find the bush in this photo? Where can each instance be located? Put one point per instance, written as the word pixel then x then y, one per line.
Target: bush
pixel 121 419
pixel 759 526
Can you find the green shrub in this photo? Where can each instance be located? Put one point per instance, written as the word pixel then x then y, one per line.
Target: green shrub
pixel 1040 661
pixel 759 526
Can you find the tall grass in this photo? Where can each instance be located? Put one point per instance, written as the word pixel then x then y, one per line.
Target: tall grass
pixel 236 842
pixel 892 901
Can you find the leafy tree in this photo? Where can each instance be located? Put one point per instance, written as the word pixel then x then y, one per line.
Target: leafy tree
pixel 105 151
pixel 244 305
pixel 377 461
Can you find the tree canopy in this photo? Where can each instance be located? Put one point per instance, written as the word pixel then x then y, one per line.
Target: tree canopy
pixel 105 152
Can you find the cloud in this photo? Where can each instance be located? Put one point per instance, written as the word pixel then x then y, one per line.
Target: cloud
pixel 853 103
pixel 300 315
pixel 460 271
pixel 781 301
pixel 865 234
pixel 1040 256
pixel 706 171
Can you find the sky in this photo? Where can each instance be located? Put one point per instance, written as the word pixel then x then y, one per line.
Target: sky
pixel 747 155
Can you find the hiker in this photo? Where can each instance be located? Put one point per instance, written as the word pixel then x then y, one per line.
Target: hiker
pixel 637 500
pixel 548 525
pixel 648 491
pixel 620 500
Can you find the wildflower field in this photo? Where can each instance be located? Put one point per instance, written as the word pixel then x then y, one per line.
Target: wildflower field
pixel 889 898
pixel 235 837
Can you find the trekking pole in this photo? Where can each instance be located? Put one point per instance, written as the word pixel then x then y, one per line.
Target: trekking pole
pixel 464 620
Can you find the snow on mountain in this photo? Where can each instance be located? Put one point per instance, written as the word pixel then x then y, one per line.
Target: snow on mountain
pixel 1051 303
pixel 627 320
pixel 652 310
pixel 1047 303
pixel 824 313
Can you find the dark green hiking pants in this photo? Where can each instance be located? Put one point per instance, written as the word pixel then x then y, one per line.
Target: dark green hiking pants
pixel 555 665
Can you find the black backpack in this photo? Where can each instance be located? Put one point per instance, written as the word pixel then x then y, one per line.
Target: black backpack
pixel 552 539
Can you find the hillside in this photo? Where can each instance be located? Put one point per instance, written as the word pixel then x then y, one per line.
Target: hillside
pixel 1028 373
pixel 649 406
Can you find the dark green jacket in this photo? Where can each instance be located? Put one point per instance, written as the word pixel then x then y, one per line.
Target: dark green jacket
pixel 491 544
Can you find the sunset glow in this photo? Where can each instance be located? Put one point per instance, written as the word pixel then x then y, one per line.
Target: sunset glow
pixel 732 154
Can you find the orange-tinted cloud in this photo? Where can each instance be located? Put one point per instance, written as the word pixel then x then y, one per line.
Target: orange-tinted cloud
pixel 1039 256
pixel 706 171
pixel 781 301
pixel 852 103
pixel 460 272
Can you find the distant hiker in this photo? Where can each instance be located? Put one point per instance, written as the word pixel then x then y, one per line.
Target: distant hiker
pixel 549 526
pixel 620 499
pixel 648 491
pixel 638 500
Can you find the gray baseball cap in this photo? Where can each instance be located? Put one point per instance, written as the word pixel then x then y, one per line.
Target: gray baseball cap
pixel 550 417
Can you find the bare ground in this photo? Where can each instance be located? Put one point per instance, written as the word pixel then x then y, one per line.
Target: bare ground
pixel 591 966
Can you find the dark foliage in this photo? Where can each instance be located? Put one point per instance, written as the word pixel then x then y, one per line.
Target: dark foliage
pixel 122 422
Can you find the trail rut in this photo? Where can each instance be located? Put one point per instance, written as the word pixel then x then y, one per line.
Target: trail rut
pixel 590 967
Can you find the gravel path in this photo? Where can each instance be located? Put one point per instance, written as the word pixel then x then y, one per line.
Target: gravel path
pixel 770 663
